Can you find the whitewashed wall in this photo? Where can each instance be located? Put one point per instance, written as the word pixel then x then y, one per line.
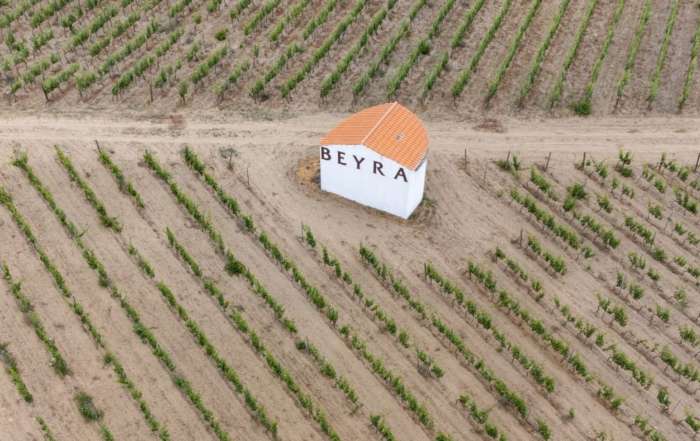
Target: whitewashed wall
pixel 387 193
pixel 415 195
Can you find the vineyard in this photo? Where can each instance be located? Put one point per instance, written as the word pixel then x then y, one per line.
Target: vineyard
pixel 176 287
pixel 515 57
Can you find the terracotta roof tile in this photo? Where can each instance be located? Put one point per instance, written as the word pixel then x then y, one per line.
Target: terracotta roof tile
pixel 389 129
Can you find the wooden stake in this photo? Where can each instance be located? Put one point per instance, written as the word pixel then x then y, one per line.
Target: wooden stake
pixel 583 163
pixel 697 162
pixel 521 238
pixel 546 165
pixel 150 90
pixel 466 163
pixel 248 177
pixel 99 149
pixel 508 157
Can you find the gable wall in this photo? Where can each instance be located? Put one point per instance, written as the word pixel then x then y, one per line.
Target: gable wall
pixel 364 182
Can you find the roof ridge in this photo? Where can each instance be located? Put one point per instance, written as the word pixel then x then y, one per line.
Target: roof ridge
pixel 388 111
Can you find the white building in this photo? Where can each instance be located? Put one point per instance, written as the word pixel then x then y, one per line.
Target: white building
pixel 377 157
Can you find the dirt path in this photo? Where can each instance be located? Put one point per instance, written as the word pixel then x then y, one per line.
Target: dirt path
pixel 564 137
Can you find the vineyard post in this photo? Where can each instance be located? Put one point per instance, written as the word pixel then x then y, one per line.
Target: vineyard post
pixel 583 163
pixel 150 90
pixel 521 238
pixel 466 162
pixel 99 149
pixel 546 165
pixel 697 162
pixel 247 173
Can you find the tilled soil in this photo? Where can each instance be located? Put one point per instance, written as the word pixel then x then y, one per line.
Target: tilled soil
pixel 466 214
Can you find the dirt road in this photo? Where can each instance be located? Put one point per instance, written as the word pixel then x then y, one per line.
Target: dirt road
pixel 484 139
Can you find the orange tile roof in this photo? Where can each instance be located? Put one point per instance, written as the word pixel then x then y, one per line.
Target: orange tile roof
pixel 389 129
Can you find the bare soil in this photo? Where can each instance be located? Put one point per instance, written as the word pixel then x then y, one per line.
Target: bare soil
pixel 273 174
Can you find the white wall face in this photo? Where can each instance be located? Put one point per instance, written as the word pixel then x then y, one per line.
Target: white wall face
pixel 364 182
pixel 415 195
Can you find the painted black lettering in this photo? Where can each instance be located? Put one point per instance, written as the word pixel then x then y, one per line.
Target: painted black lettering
pixel 401 173
pixel 378 168
pixel 325 154
pixel 358 162
pixel 341 156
